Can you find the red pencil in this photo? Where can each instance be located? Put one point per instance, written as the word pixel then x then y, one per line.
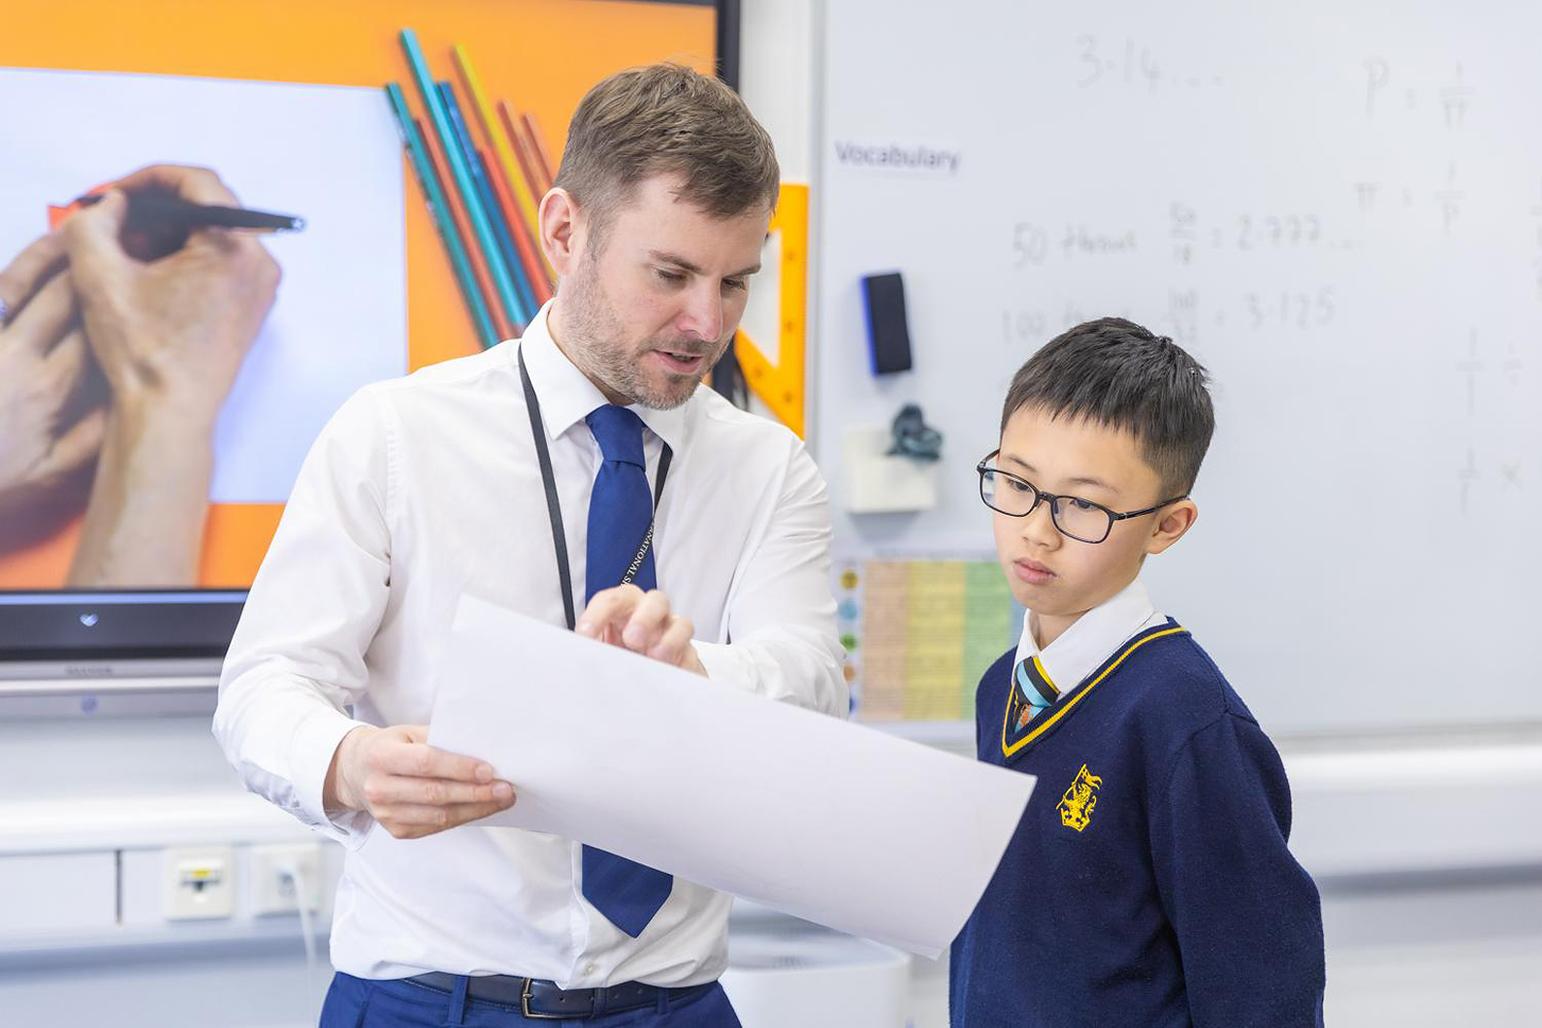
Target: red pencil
pixel 522 152
pixel 529 255
pixel 542 270
pixel 463 226
pixel 538 145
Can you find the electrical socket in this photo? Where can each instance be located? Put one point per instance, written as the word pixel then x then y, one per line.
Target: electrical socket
pixel 272 891
pixel 198 883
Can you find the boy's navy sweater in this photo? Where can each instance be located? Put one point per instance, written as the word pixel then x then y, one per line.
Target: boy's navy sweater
pixel 1176 901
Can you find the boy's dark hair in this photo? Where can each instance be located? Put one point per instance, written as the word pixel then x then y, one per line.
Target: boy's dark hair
pixel 1117 374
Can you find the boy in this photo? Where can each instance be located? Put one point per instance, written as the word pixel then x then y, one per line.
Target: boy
pixel 1149 881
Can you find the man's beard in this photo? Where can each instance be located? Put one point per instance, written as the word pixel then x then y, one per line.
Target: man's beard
pixel 599 352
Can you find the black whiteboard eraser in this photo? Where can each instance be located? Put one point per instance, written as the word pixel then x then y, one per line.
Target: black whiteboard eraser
pixel 888 330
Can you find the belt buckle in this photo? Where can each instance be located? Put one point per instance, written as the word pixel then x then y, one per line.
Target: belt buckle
pixel 535 1015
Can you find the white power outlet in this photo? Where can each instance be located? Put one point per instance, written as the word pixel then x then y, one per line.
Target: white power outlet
pixel 271 869
pixel 198 883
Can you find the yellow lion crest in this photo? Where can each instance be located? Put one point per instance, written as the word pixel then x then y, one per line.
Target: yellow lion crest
pixel 1076 805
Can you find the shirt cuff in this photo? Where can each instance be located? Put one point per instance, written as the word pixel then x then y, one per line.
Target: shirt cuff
pixel 315 742
pixel 726 667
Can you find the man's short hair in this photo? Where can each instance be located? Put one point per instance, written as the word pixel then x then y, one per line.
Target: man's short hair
pixel 668 119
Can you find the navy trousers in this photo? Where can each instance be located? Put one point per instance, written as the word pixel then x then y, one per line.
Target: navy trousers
pixel 364 1003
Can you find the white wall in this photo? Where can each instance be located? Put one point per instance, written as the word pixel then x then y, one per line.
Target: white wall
pixel 83 951
pixel 777 75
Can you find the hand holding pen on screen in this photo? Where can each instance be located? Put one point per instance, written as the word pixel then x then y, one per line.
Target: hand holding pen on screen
pixel 170 323
pixel 51 419
pixel 170 314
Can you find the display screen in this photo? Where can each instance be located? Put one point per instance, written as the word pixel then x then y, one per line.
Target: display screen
pixel 162 376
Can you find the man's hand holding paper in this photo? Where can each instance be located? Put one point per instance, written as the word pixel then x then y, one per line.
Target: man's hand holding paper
pixel 643 623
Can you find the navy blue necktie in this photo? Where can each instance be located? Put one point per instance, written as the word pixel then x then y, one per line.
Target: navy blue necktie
pixel 620 511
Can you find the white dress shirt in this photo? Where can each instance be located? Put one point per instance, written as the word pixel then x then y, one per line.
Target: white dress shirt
pixel 428 487
pixel 1092 638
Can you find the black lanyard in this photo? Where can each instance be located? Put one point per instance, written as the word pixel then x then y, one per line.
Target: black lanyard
pixel 554 506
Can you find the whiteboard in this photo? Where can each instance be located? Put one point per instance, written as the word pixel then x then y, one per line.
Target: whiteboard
pixel 1336 208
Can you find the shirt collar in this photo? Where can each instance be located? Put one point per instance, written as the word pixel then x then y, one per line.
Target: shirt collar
pixel 1091 640
pixel 567 396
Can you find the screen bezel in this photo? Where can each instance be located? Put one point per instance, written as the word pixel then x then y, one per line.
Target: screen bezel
pixel 110 625
pixel 83 627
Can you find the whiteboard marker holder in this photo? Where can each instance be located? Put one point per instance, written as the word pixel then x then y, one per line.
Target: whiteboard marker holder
pixel 877 483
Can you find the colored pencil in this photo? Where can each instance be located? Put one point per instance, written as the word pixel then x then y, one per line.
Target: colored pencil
pixel 525 232
pixel 522 150
pixel 495 216
pixel 538 144
pixel 522 193
pixel 535 263
pixel 483 275
pixel 529 171
pixel 482 229
pixel 417 154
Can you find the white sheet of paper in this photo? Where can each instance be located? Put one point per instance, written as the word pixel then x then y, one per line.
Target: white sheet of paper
pixel 830 821
pixel 329 154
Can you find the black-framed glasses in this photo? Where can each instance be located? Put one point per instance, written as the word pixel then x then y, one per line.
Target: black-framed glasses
pixel 1074 517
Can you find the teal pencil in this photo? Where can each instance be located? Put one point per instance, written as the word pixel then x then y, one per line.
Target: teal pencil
pixel 439 206
pixel 483 182
pixel 481 227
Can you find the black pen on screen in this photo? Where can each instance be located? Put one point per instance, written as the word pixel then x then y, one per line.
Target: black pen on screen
pixel 161 209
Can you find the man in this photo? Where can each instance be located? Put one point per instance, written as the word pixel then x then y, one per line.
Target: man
pixel 510 475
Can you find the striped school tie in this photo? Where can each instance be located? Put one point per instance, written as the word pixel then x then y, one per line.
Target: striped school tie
pixel 1035 689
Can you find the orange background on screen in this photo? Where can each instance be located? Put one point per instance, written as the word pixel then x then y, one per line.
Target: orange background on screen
pixel 540 55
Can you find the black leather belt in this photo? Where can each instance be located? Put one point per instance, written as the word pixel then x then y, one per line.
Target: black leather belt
pixel 543 1000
